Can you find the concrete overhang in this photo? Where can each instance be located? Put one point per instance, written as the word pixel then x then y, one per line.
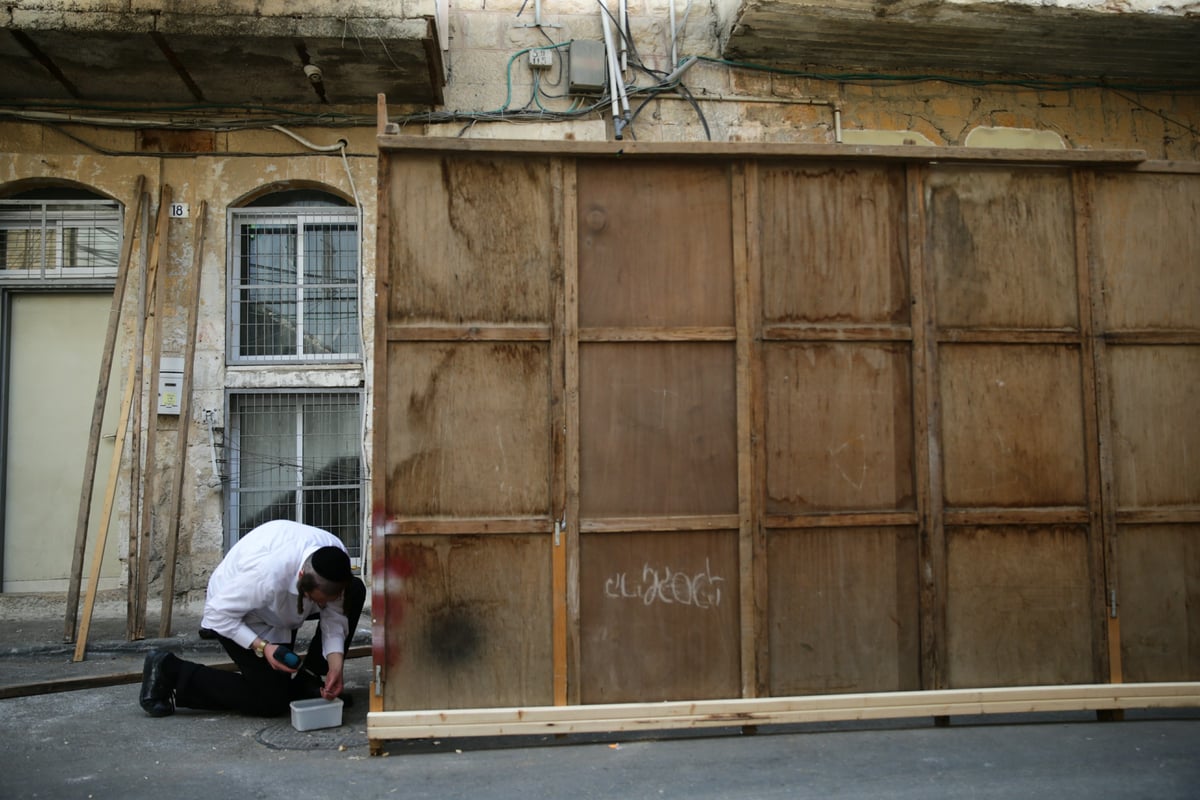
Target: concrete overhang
pixel 342 52
pixel 1119 40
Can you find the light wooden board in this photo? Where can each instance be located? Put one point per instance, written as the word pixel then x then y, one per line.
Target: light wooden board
pixel 390 725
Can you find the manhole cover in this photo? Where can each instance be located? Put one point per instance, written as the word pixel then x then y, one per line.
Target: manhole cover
pixel 282 736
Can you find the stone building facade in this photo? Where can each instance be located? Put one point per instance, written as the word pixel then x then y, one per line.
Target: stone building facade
pixel 245 105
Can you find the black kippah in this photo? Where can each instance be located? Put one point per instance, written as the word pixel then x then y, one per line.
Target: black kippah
pixel 332 564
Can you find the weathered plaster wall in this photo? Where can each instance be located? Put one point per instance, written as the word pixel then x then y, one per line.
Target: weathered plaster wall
pixel 749 104
pixel 36 153
pixel 488 72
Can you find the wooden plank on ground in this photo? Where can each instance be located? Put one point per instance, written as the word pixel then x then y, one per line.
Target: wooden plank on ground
pixel 692 715
pixel 115 679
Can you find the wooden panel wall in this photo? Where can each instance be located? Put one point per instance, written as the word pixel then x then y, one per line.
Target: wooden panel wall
pixel 467 459
pixel 657 432
pixel 679 428
pixel 1146 246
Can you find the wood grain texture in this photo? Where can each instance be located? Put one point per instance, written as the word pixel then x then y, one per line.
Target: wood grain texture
pixel 1002 248
pixel 470 621
pixel 1017 606
pixel 659 616
pixel 843 610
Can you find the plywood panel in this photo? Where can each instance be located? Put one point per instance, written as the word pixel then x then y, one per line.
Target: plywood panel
pixel 659 616
pixel 471 240
pixel 1147 248
pixel 469 621
pixel 1159 577
pixel 469 429
pixel 655 246
pixel 1156 424
pixel 838 431
pixel 657 429
pixel 832 243
pixel 842 610
pixel 1017 608
pixel 1002 248
pixel 1012 425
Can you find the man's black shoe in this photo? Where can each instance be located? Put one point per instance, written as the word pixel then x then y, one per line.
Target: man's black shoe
pixel 156 685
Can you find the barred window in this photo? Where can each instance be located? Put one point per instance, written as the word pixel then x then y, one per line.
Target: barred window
pixel 296 456
pixel 52 239
pixel 294 285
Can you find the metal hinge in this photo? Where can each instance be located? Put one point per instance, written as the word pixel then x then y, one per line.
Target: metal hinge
pixel 379 680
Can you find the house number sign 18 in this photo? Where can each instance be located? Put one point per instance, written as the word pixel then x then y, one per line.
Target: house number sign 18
pixel 178 211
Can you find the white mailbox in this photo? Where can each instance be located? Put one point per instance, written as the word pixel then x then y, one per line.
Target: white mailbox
pixel 170 385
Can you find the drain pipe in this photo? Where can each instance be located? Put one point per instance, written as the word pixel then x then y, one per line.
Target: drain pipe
pixel 616 79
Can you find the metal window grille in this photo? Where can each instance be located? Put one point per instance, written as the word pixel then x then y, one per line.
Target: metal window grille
pixel 59 239
pixel 296 456
pixel 294 285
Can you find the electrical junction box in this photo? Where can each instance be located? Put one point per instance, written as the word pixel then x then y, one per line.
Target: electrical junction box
pixel 170 385
pixel 541 59
pixel 587 67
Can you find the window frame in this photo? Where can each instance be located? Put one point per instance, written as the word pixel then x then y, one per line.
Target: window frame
pixel 299 217
pixel 53 222
pixel 231 445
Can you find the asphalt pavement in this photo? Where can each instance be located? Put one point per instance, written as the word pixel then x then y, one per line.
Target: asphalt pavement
pixel 97 743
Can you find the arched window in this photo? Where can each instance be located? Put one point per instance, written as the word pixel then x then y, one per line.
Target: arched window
pixel 294 280
pixel 58 233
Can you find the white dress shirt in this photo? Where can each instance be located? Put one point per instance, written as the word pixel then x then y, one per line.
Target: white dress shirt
pixel 252 593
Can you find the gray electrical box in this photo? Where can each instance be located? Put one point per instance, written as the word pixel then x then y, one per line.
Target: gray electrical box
pixel 170 385
pixel 587 67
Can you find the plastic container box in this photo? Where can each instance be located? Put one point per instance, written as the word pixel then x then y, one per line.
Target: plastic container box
pixel 309 715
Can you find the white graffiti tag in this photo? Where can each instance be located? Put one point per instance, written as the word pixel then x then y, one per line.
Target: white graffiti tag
pixel 670 587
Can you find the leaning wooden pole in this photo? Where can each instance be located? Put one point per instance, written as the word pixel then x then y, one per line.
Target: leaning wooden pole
pixel 115 468
pixel 105 515
pixel 89 467
pixel 185 413
pixel 157 303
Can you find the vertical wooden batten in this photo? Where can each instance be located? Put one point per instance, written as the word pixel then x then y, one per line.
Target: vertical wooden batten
pixel 926 441
pixel 742 290
pixel 565 234
pixel 1097 420
pixel 379 412
pixel 750 327
pixel 570 336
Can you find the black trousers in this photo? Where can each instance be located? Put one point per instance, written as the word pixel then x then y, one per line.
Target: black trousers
pixel 257 689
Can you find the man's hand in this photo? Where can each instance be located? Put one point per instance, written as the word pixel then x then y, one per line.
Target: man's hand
pixel 269 651
pixel 333 679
